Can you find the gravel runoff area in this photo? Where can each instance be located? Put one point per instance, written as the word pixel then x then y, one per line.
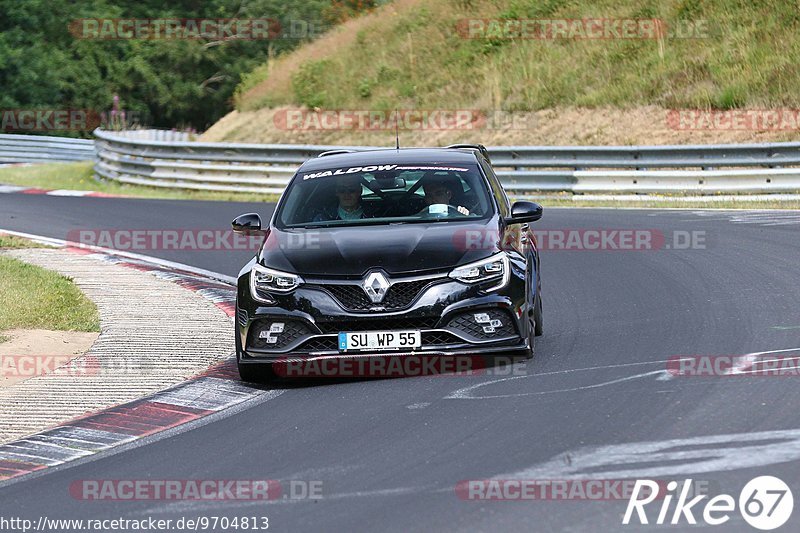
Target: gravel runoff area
pixel 154 334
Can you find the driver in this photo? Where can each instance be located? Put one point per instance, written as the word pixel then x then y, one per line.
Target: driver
pixel 348 193
pixel 441 190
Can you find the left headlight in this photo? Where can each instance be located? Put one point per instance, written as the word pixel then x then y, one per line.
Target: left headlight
pixel 492 268
pixel 268 280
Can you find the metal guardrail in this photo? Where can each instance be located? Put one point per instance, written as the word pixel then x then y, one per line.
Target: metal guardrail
pixel 168 159
pixel 639 169
pixel 43 149
pixel 701 156
pixel 234 167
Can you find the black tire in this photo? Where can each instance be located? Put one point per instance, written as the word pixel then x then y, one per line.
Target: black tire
pixel 537 316
pixel 259 373
pixel 531 339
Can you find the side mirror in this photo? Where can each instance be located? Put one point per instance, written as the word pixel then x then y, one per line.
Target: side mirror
pixel 248 223
pixel 523 212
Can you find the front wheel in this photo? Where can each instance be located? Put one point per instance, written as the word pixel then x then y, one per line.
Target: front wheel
pixel 537 316
pixel 258 373
pixel 531 339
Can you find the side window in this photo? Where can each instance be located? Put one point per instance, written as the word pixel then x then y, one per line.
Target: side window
pixel 497 189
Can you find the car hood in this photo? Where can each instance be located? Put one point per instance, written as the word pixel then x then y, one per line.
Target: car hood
pixel 397 249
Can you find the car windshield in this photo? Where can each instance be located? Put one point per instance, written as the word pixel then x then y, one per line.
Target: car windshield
pixel 380 194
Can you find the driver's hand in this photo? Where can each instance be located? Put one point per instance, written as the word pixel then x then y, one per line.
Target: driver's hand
pixel 463 210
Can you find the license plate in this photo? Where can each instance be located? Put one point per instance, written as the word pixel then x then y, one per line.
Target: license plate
pixel 380 340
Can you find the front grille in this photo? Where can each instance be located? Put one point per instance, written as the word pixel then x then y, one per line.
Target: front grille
pixel 399 296
pixel 467 324
pixel 319 344
pixel 402 294
pixel 439 338
pixel 377 324
pixel 351 297
pixel 292 331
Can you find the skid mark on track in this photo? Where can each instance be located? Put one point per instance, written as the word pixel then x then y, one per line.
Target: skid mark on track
pixel 465 393
pixel 468 393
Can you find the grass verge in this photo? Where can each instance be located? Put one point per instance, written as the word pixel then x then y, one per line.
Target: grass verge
pixel 9 242
pixel 34 298
pixel 80 177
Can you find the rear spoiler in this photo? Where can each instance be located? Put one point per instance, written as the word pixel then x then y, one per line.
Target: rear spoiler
pixel 479 147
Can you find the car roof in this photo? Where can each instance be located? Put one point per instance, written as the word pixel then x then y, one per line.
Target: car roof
pixel 404 156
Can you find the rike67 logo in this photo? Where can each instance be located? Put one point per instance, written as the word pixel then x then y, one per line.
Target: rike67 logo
pixel 765 503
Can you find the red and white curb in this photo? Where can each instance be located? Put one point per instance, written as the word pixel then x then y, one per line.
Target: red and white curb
pixel 209 392
pixel 17 189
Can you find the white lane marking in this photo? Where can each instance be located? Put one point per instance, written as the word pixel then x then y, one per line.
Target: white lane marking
pixel 110 251
pixel 422 405
pixel 465 393
pixel 760 218
pixel 67 192
pixel 774 351
pixel 709 199
pixel 668 458
pixel 751 366
pixel 784 223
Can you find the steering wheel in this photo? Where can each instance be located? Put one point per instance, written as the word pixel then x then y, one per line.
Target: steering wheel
pixel 440 211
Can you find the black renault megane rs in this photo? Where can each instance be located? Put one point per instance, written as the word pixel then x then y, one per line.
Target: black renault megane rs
pixel 400 252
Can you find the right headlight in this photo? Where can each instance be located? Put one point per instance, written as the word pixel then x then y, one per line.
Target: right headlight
pixel 268 280
pixel 496 267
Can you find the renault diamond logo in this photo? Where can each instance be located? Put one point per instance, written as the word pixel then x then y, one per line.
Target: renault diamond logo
pixel 375 285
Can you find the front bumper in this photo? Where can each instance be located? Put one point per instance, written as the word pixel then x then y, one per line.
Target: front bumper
pixel 444 310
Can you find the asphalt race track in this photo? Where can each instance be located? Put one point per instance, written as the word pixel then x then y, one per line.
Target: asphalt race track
pixel 389 453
